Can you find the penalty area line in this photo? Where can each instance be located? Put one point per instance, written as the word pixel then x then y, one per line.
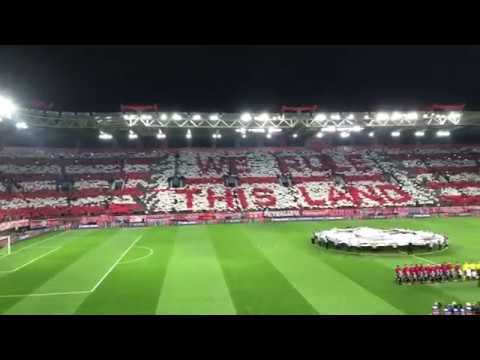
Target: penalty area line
pixel 80 291
pixel 32 245
pixel 29 262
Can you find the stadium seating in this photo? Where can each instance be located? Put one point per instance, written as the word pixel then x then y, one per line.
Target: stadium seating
pixel 328 178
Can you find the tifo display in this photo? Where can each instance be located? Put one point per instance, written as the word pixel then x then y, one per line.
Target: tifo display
pixel 412 274
pixel 364 238
pixel 313 181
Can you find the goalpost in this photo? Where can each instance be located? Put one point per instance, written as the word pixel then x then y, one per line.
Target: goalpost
pixel 5 245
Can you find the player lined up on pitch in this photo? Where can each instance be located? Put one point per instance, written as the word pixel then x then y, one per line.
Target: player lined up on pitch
pixel 412 274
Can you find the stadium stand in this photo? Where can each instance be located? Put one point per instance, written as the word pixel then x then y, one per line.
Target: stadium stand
pixel 39 183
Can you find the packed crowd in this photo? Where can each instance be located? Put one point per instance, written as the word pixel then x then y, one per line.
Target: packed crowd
pixel 346 177
pixel 430 273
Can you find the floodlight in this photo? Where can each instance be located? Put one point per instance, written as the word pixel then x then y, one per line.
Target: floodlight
pixel 145 117
pixel 320 117
pixel 420 133
pixel 246 117
pixel 396 115
pixel 335 117
pixel 454 116
pixel 176 117
pixel 274 130
pixel 161 135
pixel 196 117
pixel 383 116
pixel 344 135
pixel 269 136
pixel 263 117
pixel 319 134
pixel 132 135
pixel 105 136
pixel 295 135
pixel 189 134
pixel 371 134
pixel 7 107
pixel 257 130
pixel 330 129
pixel 350 117
pixel 413 115
pixel 21 125
pixel 357 128
pixel 244 136
pixel 443 133
pixel 214 117
pixel 395 133
pixel 163 117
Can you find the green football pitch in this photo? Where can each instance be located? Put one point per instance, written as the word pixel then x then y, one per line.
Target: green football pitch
pixel 224 269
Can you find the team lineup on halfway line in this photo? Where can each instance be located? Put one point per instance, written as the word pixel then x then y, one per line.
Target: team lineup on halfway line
pixel 225 269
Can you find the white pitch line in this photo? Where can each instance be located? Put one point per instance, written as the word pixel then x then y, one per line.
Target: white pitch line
pixel 33 245
pixel 429 261
pixel 141 257
pixel 80 291
pixel 48 294
pixel 29 262
pixel 37 243
pixel 44 247
pixel 418 257
pixel 115 263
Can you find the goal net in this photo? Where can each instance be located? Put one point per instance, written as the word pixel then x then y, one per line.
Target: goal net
pixel 5 245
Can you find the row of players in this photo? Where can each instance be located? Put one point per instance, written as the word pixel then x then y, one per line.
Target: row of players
pixel 436 272
pixel 456 309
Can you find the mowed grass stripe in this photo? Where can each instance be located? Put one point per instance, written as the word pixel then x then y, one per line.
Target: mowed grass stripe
pixel 255 285
pixel 326 288
pixel 379 280
pixel 23 245
pixel 29 249
pixel 134 287
pixel 30 278
pixel 410 299
pixel 194 283
pixel 46 238
pixel 464 247
pixel 375 273
pixel 76 278
pixel 267 268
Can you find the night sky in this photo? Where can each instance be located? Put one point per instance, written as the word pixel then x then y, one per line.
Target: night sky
pixel 239 78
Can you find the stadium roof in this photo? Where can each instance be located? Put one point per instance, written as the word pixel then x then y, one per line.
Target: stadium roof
pixel 155 120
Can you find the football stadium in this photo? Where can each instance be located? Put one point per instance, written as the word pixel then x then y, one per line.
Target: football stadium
pixel 298 211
